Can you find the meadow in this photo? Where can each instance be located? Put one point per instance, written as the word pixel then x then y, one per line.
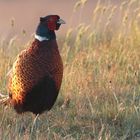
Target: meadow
pixel 100 93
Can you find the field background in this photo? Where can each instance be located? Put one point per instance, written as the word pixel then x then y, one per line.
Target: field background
pixel 100 48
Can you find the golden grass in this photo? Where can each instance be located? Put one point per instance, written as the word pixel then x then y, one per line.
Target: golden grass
pixel 100 93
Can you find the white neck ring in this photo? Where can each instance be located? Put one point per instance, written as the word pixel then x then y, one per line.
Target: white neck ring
pixel 40 38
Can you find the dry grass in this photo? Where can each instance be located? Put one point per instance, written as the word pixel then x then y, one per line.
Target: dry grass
pixel 100 94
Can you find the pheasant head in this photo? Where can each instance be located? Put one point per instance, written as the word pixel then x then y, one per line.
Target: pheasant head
pixel 47 26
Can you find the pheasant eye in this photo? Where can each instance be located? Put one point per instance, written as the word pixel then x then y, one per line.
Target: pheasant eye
pixel 51 19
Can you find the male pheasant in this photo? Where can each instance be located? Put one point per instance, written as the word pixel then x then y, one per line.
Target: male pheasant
pixel 36 76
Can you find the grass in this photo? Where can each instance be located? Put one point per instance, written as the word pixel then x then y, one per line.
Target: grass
pixel 100 93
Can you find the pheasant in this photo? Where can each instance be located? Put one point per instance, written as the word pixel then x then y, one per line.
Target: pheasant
pixel 35 79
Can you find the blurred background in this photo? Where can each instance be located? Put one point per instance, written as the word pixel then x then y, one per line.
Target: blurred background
pixel 21 17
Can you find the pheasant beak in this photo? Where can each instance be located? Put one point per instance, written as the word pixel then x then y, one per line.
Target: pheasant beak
pixel 61 21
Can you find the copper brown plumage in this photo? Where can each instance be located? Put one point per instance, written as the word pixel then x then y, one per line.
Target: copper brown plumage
pixel 36 76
